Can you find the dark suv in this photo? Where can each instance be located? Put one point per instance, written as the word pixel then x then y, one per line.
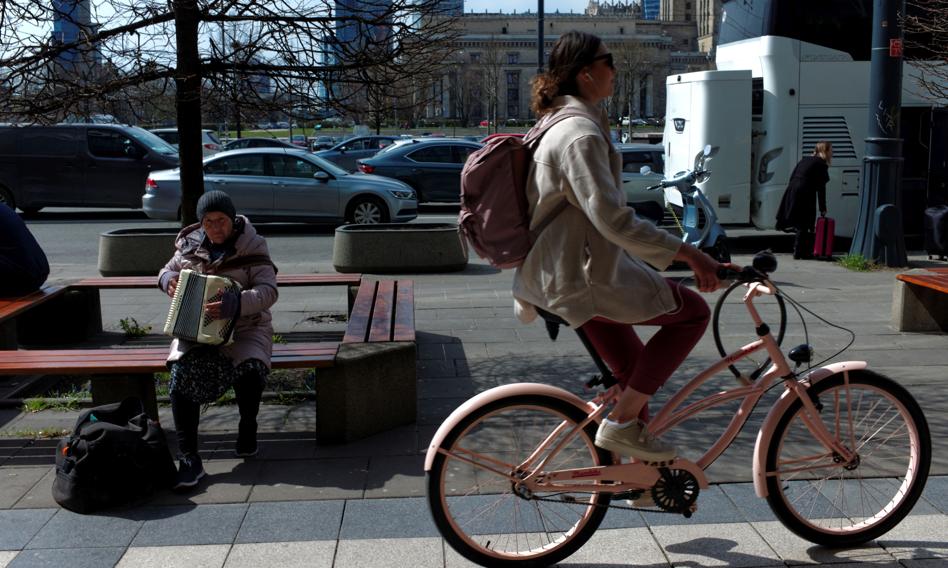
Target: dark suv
pixel 432 166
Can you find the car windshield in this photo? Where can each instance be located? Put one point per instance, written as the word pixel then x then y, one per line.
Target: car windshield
pixel 393 146
pixel 152 141
pixel 328 166
pixel 212 137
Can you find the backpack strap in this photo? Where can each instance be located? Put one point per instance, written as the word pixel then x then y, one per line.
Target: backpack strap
pixel 533 137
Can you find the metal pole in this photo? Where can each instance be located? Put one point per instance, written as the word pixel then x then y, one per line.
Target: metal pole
pixel 540 50
pixel 879 235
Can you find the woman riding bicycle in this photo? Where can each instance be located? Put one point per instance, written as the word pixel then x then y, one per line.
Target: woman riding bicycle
pixel 590 265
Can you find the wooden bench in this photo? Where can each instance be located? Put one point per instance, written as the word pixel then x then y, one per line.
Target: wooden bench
pixel 920 300
pixel 371 386
pixel 365 383
pixel 11 308
pixel 79 303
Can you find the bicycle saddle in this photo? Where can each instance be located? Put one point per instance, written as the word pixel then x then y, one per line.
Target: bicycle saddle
pixel 553 323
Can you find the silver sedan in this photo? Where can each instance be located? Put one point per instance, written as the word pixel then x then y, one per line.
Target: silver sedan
pixel 275 184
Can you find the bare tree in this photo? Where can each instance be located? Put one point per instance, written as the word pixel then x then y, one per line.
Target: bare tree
pixel 926 33
pixel 633 63
pixel 491 69
pixel 129 54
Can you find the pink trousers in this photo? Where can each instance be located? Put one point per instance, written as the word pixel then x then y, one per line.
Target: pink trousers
pixel 646 366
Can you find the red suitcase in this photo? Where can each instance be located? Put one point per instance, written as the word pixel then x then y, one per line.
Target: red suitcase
pixel 823 245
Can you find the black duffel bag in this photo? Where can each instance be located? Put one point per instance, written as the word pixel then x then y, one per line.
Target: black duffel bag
pixel 115 455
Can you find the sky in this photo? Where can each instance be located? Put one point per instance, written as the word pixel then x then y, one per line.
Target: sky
pixel 508 6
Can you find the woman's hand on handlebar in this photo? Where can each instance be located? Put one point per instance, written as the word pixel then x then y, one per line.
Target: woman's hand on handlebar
pixel 705 268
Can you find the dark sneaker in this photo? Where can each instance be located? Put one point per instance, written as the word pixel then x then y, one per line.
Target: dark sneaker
pixel 246 447
pixel 190 471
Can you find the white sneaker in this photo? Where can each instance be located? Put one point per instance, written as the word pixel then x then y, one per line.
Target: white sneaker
pixel 634 441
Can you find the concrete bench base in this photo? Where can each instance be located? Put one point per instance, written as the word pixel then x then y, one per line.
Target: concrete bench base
pixel 916 308
pixel 73 316
pixel 371 388
pixel 107 389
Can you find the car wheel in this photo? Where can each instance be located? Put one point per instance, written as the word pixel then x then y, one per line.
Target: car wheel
pixel 367 211
pixel 6 198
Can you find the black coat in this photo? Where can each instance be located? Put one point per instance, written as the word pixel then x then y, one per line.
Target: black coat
pixel 808 181
pixel 23 265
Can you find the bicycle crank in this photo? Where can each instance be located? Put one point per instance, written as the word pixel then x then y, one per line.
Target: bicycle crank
pixel 676 491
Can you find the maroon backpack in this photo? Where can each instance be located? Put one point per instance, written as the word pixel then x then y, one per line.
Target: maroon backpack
pixel 495 217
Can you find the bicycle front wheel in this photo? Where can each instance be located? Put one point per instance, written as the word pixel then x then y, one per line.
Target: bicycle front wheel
pixel 479 508
pixel 837 504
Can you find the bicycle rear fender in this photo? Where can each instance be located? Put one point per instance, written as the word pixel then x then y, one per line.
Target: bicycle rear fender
pixel 766 431
pixel 497 393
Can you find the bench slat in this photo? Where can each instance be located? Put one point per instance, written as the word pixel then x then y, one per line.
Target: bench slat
pixel 11 307
pixel 357 330
pixel 49 357
pixel 937 282
pixel 148 360
pixel 404 324
pixel 132 282
pixel 381 329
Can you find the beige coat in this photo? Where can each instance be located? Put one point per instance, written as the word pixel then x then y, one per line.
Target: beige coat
pixel 591 259
pixel 253 336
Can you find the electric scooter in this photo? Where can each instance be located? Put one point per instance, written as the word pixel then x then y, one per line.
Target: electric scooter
pixel 708 236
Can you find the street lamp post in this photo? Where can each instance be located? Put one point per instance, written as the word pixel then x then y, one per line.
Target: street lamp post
pixel 539 37
pixel 879 235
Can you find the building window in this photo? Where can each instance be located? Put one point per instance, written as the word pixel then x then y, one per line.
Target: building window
pixel 687 5
pixel 513 94
pixel 513 58
pixel 475 58
pixel 688 17
pixel 621 30
pixel 503 30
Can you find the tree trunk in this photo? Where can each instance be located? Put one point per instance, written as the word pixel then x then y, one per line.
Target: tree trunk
pixel 188 99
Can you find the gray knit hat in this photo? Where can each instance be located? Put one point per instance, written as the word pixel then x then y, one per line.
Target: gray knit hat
pixel 215 201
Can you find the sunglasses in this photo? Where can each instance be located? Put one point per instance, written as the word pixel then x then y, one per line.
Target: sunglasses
pixel 610 63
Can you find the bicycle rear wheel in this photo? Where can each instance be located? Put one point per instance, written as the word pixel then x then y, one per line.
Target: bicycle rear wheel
pixel 836 504
pixel 480 511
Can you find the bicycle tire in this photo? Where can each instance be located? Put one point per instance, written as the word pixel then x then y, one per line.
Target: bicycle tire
pixel 455 488
pixel 716 330
pixel 832 505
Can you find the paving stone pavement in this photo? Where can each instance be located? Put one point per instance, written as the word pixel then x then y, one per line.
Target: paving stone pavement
pixel 362 504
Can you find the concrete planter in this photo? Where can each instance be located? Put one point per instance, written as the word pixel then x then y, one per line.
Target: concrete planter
pixel 395 247
pixel 135 252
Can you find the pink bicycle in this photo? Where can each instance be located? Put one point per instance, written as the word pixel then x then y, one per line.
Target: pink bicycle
pixel 513 476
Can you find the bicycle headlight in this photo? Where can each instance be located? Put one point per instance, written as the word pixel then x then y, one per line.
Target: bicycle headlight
pixel 402 193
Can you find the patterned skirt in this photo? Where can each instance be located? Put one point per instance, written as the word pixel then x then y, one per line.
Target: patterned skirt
pixel 203 374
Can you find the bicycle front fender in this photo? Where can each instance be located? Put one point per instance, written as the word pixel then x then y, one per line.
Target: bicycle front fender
pixel 494 394
pixel 765 434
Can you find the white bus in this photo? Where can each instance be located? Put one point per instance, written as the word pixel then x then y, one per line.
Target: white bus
pixel 790 74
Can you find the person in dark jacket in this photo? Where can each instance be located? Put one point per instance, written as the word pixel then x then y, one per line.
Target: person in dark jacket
pixel 797 208
pixel 23 264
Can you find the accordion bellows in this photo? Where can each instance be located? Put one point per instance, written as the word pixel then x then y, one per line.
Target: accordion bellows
pixel 186 317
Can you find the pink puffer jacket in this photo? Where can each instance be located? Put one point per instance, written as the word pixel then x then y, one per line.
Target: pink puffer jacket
pixel 253 336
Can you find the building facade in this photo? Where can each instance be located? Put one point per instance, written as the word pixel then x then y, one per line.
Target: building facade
pixel 708 13
pixel 495 59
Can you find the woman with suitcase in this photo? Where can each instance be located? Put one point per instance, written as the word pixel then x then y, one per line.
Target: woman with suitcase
pixel 797 208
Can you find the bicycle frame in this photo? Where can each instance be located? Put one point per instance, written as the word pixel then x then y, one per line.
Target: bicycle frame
pixel 640 476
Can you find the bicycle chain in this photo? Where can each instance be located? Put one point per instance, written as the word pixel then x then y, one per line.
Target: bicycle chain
pixel 621 507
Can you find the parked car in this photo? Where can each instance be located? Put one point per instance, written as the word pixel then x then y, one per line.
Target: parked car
pixel 649 203
pixel 298 140
pixel 209 140
pixel 490 137
pixel 274 184
pixel 261 142
pixel 78 165
pixel 432 166
pixel 346 153
pixel 322 143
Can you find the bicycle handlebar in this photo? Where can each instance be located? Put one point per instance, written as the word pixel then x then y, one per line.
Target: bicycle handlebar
pixel 764 263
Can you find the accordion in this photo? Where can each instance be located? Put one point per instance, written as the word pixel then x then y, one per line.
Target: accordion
pixel 186 318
